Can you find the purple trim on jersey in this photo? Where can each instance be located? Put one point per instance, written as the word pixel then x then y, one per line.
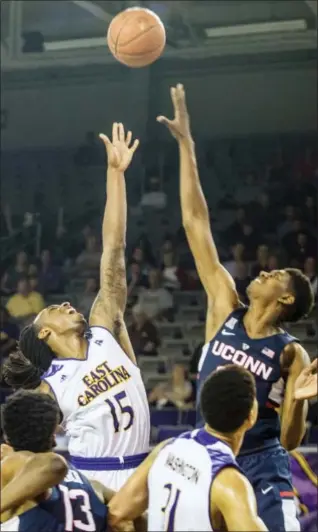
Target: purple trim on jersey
pixel 108 464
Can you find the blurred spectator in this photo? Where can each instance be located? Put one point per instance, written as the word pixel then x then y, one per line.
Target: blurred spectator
pixel 11 277
pixel 302 248
pixel 9 333
pixel 143 333
pixel 310 270
pixel 248 190
pixel 88 262
pixel 234 233
pixel 262 261
pixel 86 300
pixel 272 263
pixel 289 241
pixel 176 393
pixel 238 254
pixel 310 212
pixel 143 242
pixel 155 301
pixel 154 197
pixel 138 257
pixel 242 280
pixel 249 240
pixel 50 279
pixel 170 271
pixel 25 304
pixel 136 279
pixel 264 217
pixel 287 224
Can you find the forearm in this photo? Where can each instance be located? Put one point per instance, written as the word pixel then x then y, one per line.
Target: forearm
pixel 193 203
pixel 115 215
pixel 293 429
pixel 33 481
pixel 195 212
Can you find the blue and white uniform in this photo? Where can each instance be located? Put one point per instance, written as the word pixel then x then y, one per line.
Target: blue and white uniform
pixel 72 506
pixel 262 458
pixel 105 409
pixel 180 482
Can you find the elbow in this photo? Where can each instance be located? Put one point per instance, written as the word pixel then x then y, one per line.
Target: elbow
pixel 291 441
pixel 58 468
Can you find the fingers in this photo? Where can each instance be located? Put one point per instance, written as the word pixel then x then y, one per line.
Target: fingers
pixel 165 121
pixel 134 146
pixel 105 139
pixel 128 138
pixel 314 365
pixel 121 132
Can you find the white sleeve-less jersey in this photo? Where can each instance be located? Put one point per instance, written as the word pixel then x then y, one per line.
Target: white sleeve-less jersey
pixel 103 400
pixel 180 481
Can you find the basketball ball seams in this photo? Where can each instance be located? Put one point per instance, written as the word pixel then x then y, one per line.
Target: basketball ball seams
pixel 136 37
pixel 140 54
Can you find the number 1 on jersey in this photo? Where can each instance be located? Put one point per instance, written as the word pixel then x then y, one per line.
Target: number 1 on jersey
pixel 124 409
pixel 169 510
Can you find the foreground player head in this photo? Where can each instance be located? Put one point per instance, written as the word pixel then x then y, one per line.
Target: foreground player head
pixel 228 404
pixel 287 292
pixel 39 343
pixel 29 421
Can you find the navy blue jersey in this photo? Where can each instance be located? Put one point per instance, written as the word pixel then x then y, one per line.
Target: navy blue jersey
pixel 75 503
pixel 232 345
pixel 34 520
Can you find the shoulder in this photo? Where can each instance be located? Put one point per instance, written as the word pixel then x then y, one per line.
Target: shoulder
pixel 11 465
pixel 36 296
pixel 231 485
pixel 294 355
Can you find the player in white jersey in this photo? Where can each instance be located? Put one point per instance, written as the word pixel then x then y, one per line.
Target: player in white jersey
pixel 92 371
pixel 193 482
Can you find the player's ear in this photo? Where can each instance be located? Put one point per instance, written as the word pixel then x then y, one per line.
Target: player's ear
pixel 44 333
pixel 287 299
pixel 252 418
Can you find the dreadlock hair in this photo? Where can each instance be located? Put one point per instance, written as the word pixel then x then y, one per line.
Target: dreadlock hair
pixel 304 297
pixel 29 420
pixel 24 368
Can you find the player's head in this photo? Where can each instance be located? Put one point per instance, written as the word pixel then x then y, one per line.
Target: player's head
pixel 289 288
pixel 38 343
pixel 29 421
pixel 228 400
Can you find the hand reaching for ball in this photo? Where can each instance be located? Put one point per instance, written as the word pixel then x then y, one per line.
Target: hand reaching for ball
pixel 306 385
pixel 119 151
pixel 180 126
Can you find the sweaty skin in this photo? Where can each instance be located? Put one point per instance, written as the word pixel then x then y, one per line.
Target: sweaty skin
pixel 268 293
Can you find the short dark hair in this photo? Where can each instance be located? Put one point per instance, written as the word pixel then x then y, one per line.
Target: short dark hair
pixel 227 398
pixel 29 420
pixel 24 368
pixel 304 297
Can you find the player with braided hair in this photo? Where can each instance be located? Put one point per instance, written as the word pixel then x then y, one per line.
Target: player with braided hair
pixel 90 368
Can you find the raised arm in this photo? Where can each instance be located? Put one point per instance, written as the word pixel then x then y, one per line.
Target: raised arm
pixel 109 306
pixel 233 496
pixel 218 284
pixel 295 363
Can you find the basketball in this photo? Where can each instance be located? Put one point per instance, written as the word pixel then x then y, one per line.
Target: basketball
pixel 136 37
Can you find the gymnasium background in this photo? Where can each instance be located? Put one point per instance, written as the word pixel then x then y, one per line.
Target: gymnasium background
pixel 250 72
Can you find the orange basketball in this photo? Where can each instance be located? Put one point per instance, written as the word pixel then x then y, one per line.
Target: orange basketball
pixel 136 37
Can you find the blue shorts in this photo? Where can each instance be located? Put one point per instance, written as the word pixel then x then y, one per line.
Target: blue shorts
pixel 269 473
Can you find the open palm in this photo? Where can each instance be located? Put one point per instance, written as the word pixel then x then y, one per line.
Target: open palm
pixel 119 151
pixel 307 382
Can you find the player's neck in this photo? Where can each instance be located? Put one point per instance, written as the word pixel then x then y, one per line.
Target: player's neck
pixel 71 346
pixel 259 321
pixel 234 440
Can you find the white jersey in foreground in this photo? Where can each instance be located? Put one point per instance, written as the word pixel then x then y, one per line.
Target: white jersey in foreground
pixel 180 481
pixel 105 409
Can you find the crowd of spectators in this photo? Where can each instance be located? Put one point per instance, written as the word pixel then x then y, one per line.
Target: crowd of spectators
pixel 275 226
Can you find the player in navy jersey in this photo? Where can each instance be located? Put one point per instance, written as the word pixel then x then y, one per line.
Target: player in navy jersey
pixel 251 337
pixel 39 490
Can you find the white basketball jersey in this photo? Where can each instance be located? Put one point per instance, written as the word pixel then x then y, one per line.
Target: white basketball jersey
pixel 180 481
pixel 103 400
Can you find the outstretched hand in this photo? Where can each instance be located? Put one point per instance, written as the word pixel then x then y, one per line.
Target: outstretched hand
pixel 180 126
pixel 119 151
pixel 307 382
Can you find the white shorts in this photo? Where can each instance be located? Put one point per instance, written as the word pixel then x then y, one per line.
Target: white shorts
pixel 113 480
pixel 111 472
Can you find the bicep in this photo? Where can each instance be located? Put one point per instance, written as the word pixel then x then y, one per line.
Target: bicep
pixel 234 497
